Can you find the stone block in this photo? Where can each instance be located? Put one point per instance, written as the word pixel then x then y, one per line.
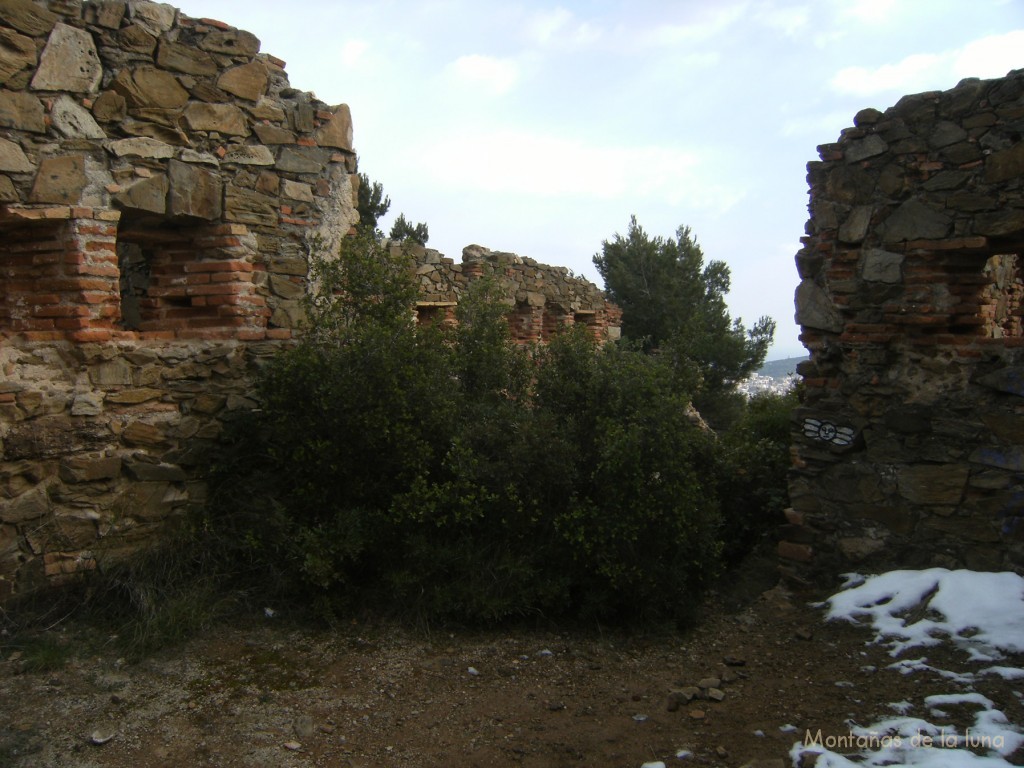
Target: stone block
pixel 248 81
pixel 933 483
pixel 148 87
pixel 913 220
pixel 881 266
pixel 109 106
pixel 194 191
pixel 135 39
pixel 300 161
pixel 73 120
pixel 69 62
pixel 21 111
pixel 1010 458
pixel 250 154
pixel 271 134
pixel 870 146
pixel 814 308
pixel 146 501
pixel 143 434
pixel 13 158
pixel 155 18
pixel 1005 165
pixel 338 130
pixel 234 42
pixel 855 228
pixel 184 58
pixel 17 53
pixel 151 149
pixel 59 180
pixel 88 469
pixel 28 506
pixel 145 195
pixel 248 207
pixel 27 17
pixel 107 13
pixel 221 118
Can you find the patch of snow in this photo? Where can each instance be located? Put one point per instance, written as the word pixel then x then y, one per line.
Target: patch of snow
pixel 980 613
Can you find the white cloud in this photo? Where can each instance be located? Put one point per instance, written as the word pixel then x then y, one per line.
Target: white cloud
pixel 986 57
pixel 869 11
pixel 492 74
pixel 352 52
pixel 991 56
pixel 790 21
pixel 906 76
pixel 697 31
pixel 559 27
pixel 543 166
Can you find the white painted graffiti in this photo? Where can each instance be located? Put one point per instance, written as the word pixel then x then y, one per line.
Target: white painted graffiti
pixel 828 432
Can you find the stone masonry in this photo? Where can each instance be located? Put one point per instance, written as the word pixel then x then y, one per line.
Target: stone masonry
pixel 542 299
pixel 909 445
pixel 161 188
pixel 161 185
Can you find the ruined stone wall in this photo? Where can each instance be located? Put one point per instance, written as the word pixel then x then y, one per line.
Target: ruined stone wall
pixel 161 185
pixel 909 446
pixel 543 299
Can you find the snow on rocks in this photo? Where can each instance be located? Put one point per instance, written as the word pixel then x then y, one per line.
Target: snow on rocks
pixel 979 613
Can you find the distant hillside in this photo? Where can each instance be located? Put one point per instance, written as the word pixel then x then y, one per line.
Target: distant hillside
pixel 779 369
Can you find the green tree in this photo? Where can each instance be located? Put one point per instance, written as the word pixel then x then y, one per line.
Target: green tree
pixel 371 202
pixel 674 302
pixel 403 230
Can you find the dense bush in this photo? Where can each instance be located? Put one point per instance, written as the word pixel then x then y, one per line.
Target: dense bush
pixel 449 472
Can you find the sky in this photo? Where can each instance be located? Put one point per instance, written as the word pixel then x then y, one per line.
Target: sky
pixel 541 127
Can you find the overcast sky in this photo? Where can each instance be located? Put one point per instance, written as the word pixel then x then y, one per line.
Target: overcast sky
pixel 540 127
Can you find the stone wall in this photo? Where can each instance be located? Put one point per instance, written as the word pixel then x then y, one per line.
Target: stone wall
pixel 543 299
pixel 909 446
pixel 161 185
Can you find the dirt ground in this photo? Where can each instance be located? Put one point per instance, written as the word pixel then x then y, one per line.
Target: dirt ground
pixel 269 694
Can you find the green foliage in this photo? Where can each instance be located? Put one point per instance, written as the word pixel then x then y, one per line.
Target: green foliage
pixel 674 302
pixel 756 459
pixel 371 202
pixel 451 474
pixel 403 231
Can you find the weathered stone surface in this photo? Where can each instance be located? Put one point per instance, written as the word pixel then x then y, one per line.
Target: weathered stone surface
pixel 145 87
pixel 141 433
pixel 8 193
pixel 299 161
pixel 87 469
pixel 871 146
pixel 222 118
pixel 295 190
pixel 184 58
pixel 338 130
pixel 249 154
pixel 140 147
pixel 1005 165
pixel 1009 458
pixel 109 106
pixel 73 120
pixel 267 109
pixel 1009 380
pixel 248 207
pixel 248 81
pixel 814 309
pixel 59 180
pixel 855 228
pixel 17 53
pixel 145 195
pixel 107 13
pixel 134 396
pixel 137 40
pixel 271 134
pixel 194 191
pixel 69 62
pixel 155 18
pixel 286 287
pixel 147 500
pixel 27 17
pixel 933 484
pixel 13 158
pixel 1009 221
pixel 914 220
pixel 881 266
pixel 21 111
pixel 235 42
pixel 28 506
